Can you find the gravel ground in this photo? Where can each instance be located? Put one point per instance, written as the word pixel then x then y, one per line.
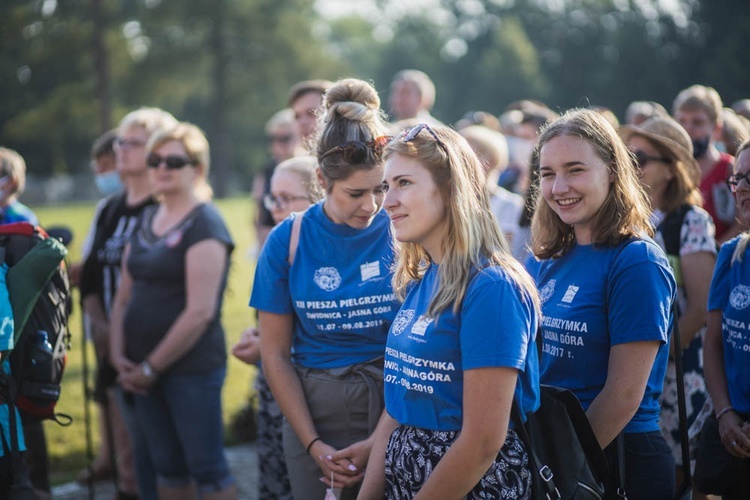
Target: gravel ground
pixel 242 460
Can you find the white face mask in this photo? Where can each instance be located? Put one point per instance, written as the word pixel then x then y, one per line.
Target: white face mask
pixel 108 183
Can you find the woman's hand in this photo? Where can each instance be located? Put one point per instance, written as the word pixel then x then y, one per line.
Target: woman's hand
pixel 733 436
pixel 341 463
pixel 247 349
pixel 134 379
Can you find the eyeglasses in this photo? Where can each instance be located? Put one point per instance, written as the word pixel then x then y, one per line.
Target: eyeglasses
pixel 173 162
pixel 272 202
pixel 123 143
pixel 355 152
pixel 414 132
pixel 733 182
pixel 283 139
pixel 641 158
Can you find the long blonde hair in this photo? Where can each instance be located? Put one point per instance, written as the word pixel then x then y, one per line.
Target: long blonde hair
pixel 624 214
pixel 473 238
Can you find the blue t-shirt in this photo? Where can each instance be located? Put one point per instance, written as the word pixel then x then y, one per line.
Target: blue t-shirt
pixel 425 358
pixel 17 212
pixel 339 288
pixel 730 292
pixel 597 297
pixel 5 420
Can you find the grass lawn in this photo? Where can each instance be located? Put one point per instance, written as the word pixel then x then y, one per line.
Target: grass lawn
pixel 67 445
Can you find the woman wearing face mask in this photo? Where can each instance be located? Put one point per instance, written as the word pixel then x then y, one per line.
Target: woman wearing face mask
pixel 606 291
pixel 684 230
pixel 723 465
pixel 323 318
pixel 462 345
pixel 294 187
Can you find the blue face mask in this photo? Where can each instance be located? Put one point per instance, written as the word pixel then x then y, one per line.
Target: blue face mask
pixel 108 183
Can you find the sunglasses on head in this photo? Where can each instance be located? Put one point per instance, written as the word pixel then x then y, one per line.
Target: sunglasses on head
pixel 414 132
pixel 355 152
pixel 173 162
pixel 642 158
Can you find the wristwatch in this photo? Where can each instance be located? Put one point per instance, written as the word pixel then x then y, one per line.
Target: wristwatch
pixel 148 370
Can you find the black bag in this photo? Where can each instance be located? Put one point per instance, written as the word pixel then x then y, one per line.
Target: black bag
pixel 565 457
pixel 35 392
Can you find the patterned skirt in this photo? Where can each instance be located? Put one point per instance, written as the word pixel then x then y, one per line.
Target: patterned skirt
pixel 412 454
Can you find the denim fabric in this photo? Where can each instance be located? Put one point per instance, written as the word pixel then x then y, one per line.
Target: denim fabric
pixel 144 467
pixel 181 419
pixel 649 467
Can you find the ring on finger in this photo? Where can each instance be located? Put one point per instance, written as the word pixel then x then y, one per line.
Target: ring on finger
pixel 734 443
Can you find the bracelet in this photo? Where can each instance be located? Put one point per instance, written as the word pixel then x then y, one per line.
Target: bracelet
pixel 722 412
pixel 312 443
pixel 149 371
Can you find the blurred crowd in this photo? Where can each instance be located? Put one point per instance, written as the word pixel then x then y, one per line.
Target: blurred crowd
pixel 416 280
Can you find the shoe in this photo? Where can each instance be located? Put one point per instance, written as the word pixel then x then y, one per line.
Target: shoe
pixel 94 474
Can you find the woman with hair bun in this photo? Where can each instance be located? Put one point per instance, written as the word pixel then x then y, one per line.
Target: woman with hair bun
pixel 323 291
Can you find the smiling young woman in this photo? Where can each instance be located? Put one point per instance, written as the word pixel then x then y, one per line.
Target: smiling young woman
pixel 608 287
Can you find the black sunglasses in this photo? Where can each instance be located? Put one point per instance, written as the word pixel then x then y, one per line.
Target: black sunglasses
pixel 733 181
pixel 414 132
pixel 173 162
pixel 355 152
pixel 641 158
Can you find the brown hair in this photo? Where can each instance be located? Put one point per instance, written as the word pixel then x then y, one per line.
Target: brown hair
pixel 624 214
pixel 351 113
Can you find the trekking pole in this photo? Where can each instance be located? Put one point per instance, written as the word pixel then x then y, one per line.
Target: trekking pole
pixel 87 395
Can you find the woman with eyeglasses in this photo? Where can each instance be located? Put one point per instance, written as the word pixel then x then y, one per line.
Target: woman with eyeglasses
pixel 167 340
pixel 461 347
pixel 114 222
pixel 323 292
pixel 606 289
pixel 669 174
pixel 294 187
pixel 723 464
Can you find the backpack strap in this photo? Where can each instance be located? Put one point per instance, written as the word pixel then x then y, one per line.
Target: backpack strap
pixel 670 229
pixel 294 237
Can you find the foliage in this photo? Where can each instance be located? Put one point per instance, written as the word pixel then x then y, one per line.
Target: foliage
pixel 227 65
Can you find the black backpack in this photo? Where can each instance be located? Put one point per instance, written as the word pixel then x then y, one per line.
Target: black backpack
pixel 33 391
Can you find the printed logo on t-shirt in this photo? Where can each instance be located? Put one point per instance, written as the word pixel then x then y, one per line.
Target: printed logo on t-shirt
pixel 403 318
pixel 740 297
pixel 570 293
pixel 173 238
pixel 421 325
pixel 327 278
pixel 369 270
pixel 547 291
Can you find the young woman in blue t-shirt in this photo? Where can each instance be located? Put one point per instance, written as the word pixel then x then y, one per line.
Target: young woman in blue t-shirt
pixel 726 358
pixel 461 347
pixel 323 319
pixel 606 290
